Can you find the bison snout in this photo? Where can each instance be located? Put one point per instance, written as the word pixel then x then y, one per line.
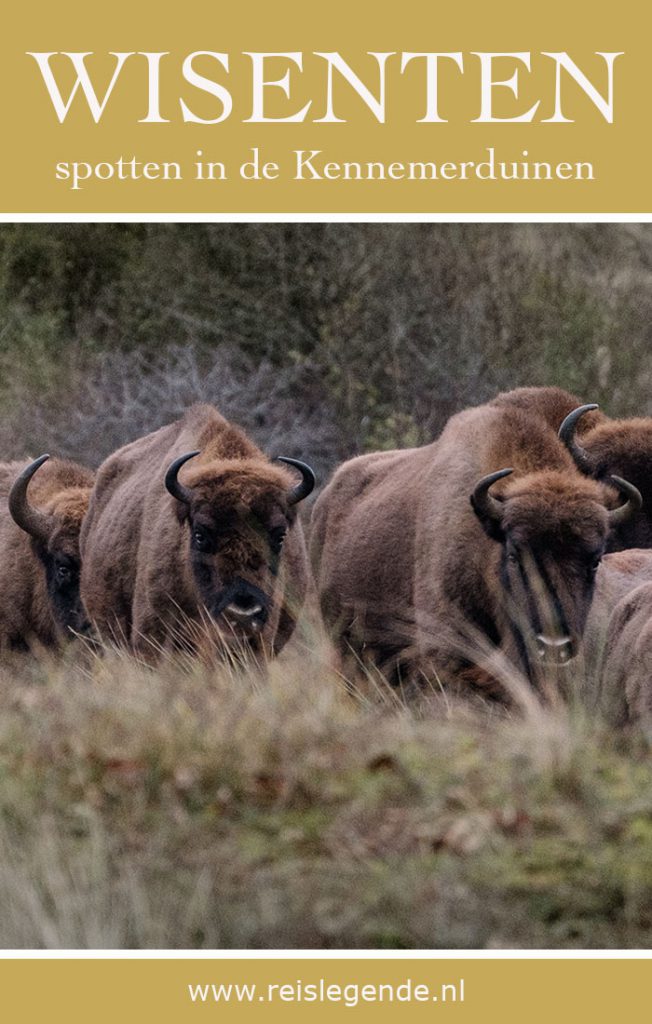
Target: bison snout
pixel 248 609
pixel 555 650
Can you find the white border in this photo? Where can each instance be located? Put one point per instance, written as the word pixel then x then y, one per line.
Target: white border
pixel 322 218
pixel 328 954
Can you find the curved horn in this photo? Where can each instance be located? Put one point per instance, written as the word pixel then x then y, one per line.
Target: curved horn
pixel 566 434
pixel 484 504
pixel 632 505
pixel 176 489
pixel 31 520
pixel 308 481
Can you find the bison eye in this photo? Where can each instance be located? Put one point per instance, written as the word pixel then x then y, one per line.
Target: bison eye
pixel 64 573
pixel 201 539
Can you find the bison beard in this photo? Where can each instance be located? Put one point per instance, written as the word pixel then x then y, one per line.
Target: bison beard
pixel 211 560
pixel 461 591
pixel 39 538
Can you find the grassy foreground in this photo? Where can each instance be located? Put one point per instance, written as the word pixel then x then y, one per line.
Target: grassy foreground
pixel 181 807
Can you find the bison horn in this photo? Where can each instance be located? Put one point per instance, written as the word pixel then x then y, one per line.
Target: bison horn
pixel 632 505
pixel 31 520
pixel 308 480
pixel 581 457
pixel 176 489
pixel 486 506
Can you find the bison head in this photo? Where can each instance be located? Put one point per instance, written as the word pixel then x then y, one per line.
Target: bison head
pixel 54 529
pixel 553 531
pixel 237 516
pixel 616 446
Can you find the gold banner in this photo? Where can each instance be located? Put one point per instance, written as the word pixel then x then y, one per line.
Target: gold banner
pixel 528 108
pixel 375 990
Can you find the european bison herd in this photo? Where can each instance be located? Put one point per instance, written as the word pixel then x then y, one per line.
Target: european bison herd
pixel 516 541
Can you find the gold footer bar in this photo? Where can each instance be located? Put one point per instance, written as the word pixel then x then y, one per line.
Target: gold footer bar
pixel 437 989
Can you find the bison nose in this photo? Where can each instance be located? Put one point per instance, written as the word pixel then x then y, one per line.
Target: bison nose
pixel 247 609
pixel 557 650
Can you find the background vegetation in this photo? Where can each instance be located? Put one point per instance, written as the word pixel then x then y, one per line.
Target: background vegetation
pixel 330 339
pixel 185 807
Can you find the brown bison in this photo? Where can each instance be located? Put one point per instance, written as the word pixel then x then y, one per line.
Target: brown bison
pixel 215 552
pixel 490 534
pixel 548 404
pixel 601 448
pixel 618 639
pixel 40 523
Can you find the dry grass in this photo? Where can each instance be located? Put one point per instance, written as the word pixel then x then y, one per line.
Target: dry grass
pixel 187 807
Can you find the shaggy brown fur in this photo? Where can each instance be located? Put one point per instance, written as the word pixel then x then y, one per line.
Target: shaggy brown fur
pixel 146 583
pixel 407 577
pixel 618 638
pixel 621 447
pixel 40 584
pixel 551 405
pixel 624 448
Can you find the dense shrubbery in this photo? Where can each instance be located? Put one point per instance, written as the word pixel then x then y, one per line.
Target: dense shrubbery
pixel 354 336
